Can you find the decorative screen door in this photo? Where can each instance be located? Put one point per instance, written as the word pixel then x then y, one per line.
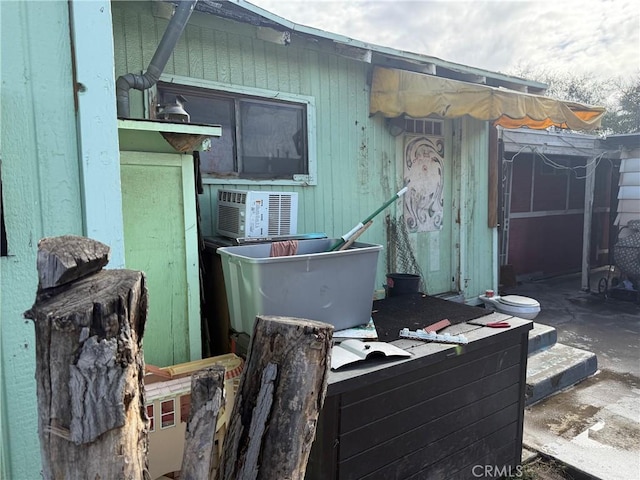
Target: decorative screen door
pixel 424 171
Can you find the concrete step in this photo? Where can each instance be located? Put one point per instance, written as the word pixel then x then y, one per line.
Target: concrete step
pixel 541 337
pixel 556 368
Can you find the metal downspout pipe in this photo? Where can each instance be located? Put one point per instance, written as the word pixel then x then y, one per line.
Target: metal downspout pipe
pixel 160 58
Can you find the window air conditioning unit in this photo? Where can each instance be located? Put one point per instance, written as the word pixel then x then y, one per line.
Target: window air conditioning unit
pixel 255 214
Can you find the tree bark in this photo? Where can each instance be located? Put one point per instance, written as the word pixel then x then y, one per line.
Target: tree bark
pixel 89 376
pixel 280 395
pixel 200 457
pixel 67 258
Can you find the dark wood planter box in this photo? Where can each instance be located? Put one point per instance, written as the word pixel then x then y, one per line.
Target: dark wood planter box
pixel 436 415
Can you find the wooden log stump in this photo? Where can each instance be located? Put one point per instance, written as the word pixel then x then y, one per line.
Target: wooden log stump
pixel 200 457
pixel 67 258
pixel 280 395
pixel 89 376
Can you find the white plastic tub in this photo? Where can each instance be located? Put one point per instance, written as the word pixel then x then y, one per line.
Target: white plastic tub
pixel 333 287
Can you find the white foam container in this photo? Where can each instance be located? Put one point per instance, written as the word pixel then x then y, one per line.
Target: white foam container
pixel 332 287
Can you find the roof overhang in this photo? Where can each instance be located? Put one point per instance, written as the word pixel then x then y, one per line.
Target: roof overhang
pixel 398 92
pixel 271 27
pixel 623 140
pixel 550 142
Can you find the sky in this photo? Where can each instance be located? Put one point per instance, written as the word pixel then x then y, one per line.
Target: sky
pixel 599 38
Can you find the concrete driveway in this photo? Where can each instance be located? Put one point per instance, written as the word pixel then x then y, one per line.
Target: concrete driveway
pixel 593 427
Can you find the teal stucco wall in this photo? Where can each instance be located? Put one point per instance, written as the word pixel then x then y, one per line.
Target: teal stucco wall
pixel 41 190
pixel 359 163
pixel 60 175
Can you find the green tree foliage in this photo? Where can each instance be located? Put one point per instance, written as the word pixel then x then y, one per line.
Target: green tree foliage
pixel 626 117
pixel 621 97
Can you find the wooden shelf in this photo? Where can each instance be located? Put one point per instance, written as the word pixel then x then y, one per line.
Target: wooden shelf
pixel 144 135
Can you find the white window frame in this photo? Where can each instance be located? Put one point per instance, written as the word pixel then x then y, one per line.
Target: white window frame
pixel 152 417
pixel 427 124
pixel 173 401
pixel 310 178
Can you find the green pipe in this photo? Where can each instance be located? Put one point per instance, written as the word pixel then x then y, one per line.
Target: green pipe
pixel 342 240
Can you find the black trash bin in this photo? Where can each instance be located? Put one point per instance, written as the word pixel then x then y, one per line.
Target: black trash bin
pixel 402 284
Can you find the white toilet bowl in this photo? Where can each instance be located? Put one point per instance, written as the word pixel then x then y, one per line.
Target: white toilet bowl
pixel 515 305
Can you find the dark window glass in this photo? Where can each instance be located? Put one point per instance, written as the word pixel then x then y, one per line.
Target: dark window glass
pixel 272 140
pixel 185 407
pixel 260 138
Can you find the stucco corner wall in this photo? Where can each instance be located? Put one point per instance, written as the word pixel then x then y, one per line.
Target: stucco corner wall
pixel 41 194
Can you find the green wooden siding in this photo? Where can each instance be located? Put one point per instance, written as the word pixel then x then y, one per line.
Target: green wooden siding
pixel 161 240
pixel 358 162
pixel 481 256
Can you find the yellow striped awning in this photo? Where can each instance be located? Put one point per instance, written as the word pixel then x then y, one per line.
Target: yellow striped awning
pixel 399 92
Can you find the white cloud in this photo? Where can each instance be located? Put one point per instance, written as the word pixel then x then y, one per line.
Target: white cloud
pixel 592 37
